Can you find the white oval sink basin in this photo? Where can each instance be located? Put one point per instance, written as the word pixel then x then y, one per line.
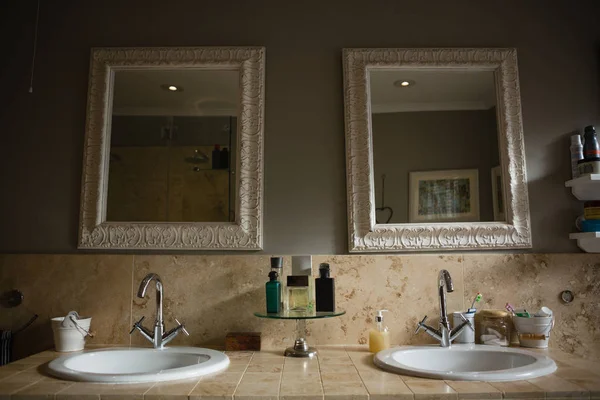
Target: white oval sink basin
pixel 130 365
pixel 465 362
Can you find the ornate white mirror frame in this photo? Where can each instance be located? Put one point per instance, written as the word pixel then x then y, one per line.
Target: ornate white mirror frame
pixel 365 235
pixel 245 233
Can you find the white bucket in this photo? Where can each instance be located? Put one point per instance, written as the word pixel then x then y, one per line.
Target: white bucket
pixel 70 332
pixel 534 331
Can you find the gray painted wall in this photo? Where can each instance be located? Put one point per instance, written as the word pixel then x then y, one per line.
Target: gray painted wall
pixel 405 142
pixel 305 195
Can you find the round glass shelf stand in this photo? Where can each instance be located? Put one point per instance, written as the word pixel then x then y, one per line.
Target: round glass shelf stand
pixel 300 347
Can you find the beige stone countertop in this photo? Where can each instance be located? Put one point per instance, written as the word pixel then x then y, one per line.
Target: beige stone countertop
pixel 339 372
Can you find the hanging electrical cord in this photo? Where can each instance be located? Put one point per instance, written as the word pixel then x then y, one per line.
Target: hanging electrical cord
pixel 37 20
pixel 383 207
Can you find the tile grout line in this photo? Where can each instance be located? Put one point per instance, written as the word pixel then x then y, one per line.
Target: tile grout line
pixel 11 394
pixel 321 374
pixel 280 379
pixel 193 387
pixel 150 388
pixel 242 377
pixel 61 390
pixel 413 394
pixel 546 393
pixel 358 373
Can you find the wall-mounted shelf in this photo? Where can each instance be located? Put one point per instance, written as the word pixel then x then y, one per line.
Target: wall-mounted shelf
pixel 586 187
pixel 587 241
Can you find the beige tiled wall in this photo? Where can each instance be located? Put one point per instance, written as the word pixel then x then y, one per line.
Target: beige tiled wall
pixel 218 294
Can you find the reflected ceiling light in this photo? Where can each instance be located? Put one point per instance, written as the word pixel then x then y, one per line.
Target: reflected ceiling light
pixel 171 88
pixel 404 83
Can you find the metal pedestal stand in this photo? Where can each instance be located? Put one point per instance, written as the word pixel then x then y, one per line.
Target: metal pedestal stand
pixel 300 348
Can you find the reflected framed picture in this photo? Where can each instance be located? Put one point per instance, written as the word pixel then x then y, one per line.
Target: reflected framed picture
pixel 498 194
pixel 444 196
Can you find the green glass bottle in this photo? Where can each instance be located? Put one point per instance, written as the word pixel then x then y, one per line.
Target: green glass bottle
pixel 273 291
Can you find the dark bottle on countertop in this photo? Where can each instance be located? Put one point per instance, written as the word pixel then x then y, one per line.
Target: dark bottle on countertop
pixel 224 158
pixel 591 151
pixel 325 289
pixel 216 157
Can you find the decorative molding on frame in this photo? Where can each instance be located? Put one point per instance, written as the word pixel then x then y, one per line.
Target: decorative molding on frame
pixel 246 233
pixel 365 235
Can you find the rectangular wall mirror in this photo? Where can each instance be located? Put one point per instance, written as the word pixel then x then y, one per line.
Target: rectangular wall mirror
pixel 174 149
pixel 435 151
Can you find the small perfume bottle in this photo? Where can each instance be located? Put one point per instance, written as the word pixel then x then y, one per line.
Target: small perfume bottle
pixel 302 270
pixel 277 266
pixel 298 293
pixel 273 292
pixel 325 289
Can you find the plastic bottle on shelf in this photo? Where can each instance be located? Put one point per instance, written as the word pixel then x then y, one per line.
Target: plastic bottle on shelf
pixel 576 154
pixel 591 153
pixel 591 150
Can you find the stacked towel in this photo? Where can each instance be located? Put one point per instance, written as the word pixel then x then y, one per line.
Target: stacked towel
pixel 5 347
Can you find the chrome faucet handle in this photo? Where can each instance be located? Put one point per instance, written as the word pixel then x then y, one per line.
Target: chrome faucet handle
pixel 458 329
pixel 182 327
pixel 466 321
pixel 136 325
pixel 421 325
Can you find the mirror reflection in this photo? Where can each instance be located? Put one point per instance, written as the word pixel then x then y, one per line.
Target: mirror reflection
pixel 173 145
pixel 435 146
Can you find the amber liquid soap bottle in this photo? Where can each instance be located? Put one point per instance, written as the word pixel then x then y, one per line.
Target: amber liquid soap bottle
pixel 325 289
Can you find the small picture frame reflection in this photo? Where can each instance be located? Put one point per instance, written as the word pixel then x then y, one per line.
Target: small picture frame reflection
pixel 498 194
pixel 444 196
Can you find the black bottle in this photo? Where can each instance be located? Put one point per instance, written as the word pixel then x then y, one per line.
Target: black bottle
pixel 325 289
pixel 216 157
pixel 224 158
pixel 591 151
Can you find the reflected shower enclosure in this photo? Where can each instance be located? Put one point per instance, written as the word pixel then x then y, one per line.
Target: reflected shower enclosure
pixel 173 136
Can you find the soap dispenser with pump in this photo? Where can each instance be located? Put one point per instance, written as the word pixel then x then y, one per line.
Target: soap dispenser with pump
pixel 379 337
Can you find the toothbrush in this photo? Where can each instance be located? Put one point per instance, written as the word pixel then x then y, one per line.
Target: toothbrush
pixel 510 308
pixel 522 313
pixel 519 313
pixel 477 299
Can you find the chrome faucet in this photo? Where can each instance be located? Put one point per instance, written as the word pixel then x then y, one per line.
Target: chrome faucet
pixel 159 338
pixel 444 334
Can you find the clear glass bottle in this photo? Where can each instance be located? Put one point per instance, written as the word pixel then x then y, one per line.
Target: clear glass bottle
pixel 494 328
pixel 298 293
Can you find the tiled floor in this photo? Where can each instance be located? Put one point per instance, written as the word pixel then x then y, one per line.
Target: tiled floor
pixel 337 373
